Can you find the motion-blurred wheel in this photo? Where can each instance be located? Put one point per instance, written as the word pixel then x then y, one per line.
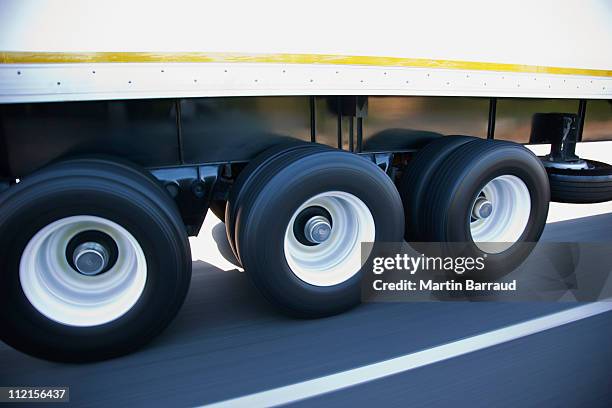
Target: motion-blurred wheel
pixel 492 196
pixel 95 261
pixel 259 165
pixel 418 177
pixel 300 226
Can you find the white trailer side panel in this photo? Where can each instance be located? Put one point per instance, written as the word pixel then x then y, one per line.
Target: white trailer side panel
pixel 80 50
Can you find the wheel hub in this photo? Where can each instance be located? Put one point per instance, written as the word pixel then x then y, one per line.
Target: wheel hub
pixel 70 272
pixel 500 213
pixel 323 239
pixel 482 208
pixel 317 229
pixel 90 258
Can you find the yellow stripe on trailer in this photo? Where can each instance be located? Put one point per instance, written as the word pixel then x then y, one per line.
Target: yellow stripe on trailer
pixel 199 57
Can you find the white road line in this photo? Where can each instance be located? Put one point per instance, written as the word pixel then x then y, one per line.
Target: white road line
pixel 360 375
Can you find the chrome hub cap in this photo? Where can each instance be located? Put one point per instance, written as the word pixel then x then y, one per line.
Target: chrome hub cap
pixel 482 208
pixel 317 229
pixel 90 258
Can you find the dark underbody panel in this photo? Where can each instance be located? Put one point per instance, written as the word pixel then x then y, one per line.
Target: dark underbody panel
pixel 173 132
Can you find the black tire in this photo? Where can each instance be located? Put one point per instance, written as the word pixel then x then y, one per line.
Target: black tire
pixel 115 191
pixel 418 176
pixel 266 211
pixel 256 166
pixel 447 204
pixel 218 208
pixel 583 186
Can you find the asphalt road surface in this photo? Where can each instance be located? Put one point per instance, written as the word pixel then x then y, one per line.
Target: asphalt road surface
pixel 227 342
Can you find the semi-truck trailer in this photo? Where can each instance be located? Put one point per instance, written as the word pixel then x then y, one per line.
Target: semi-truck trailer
pixel 307 128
